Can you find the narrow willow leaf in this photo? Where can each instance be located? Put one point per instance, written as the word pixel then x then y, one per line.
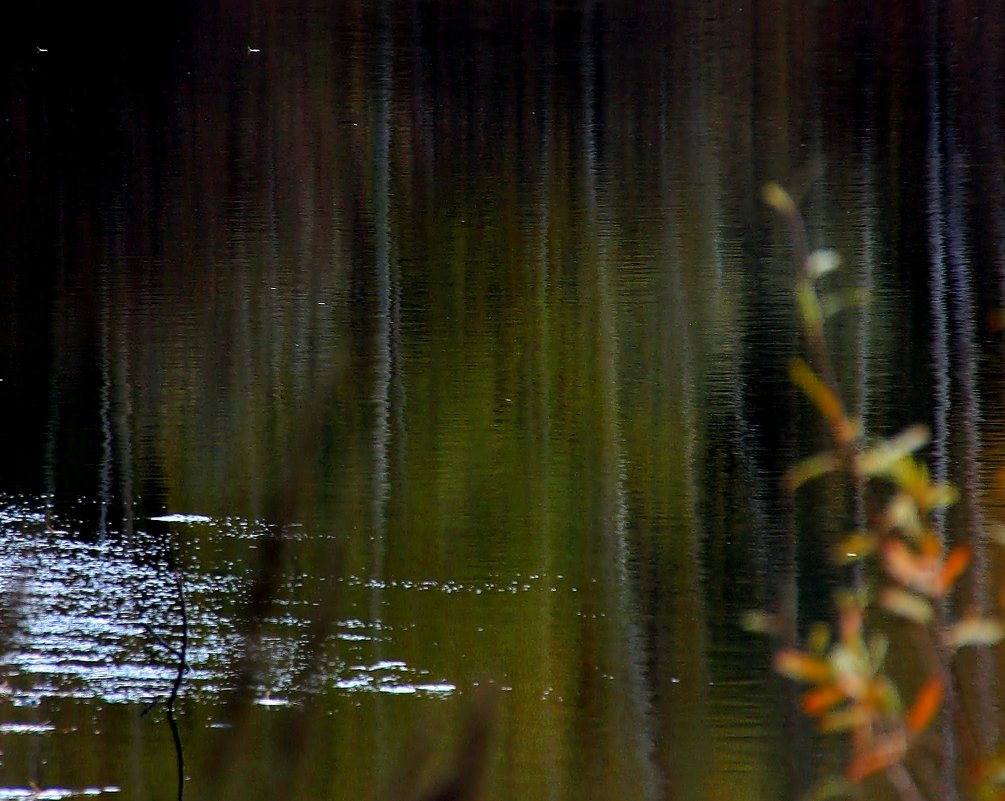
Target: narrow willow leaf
pixel 956 562
pixel 822 699
pixel 974 630
pixel 912 477
pixel 880 458
pixel 811 468
pixel 906 604
pixel 809 306
pixel 822 261
pixel 857 545
pixel 824 399
pixel 941 496
pixel 909 568
pixel 885 752
pixel 802 667
pixel 926 705
pixel 780 200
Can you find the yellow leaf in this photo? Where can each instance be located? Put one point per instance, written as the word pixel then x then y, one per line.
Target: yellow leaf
pixel 809 306
pixel 808 469
pixel 906 604
pixel 912 476
pixel 940 496
pixel 780 200
pixel 880 458
pixel 803 667
pixel 974 630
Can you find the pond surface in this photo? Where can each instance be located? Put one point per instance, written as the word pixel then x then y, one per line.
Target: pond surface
pixel 435 354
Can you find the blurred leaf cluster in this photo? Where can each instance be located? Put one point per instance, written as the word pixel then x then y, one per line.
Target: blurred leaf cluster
pixel 908 574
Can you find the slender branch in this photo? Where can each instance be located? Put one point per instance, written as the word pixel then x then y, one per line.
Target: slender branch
pixel 176 687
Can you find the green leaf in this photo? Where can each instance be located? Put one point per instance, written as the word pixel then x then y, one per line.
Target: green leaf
pixel 809 306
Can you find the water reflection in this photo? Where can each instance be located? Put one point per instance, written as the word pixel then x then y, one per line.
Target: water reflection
pixel 444 345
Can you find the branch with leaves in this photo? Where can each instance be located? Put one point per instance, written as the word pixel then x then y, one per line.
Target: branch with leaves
pixel 843 667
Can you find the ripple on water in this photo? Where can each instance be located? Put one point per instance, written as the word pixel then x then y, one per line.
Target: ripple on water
pixel 96 621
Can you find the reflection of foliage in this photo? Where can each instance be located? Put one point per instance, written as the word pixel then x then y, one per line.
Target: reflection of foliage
pixel 850 688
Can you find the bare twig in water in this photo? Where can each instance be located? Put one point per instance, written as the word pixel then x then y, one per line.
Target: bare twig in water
pixel 181 654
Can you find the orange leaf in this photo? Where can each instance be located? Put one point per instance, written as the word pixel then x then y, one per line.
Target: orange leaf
pixel 885 753
pixel 930 546
pixel 816 702
pixel 802 667
pixel 909 568
pixel 926 705
pixel 956 563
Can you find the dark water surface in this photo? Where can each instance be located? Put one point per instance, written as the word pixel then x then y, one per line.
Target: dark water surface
pixel 442 346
